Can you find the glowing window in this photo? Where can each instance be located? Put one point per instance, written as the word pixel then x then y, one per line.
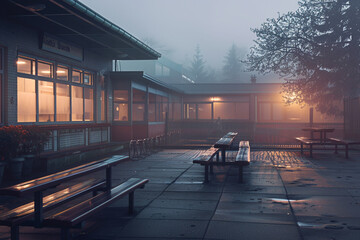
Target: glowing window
pixel 46 101
pixel 62 73
pixel 45 69
pixel 77 105
pixel 26 101
pixel 62 102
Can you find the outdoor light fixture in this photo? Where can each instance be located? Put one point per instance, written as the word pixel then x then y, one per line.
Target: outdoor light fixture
pixel 117 109
pixel 215 99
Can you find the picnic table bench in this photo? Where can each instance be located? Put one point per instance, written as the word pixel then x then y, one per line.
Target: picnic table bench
pixel 242 159
pixel 33 213
pixel 345 143
pixel 225 143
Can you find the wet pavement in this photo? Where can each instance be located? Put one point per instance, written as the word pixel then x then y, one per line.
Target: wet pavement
pixel 284 196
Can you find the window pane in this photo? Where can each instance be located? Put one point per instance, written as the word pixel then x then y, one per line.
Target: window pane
pixel 62 102
pixel 264 111
pixel 45 69
pixel 121 95
pixel 88 78
pixel 278 112
pixel 0 95
pixel 190 111
pixel 26 102
pixel 103 105
pixel 62 73
pixel 177 111
pixel 224 110
pixel 138 111
pixel 76 76
pixel 77 103
pixel 1 59
pixel 89 104
pixel 120 112
pixel 24 65
pixel 204 111
pixel 46 101
pixel 242 111
pixel 138 96
pixel 152 108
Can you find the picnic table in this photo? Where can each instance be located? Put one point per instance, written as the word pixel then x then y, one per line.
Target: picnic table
pixel 322 133
pixel 225 143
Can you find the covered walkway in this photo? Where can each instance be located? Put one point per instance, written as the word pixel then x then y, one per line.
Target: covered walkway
pixel 285 196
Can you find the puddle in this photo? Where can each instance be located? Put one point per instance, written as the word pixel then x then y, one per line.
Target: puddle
pixel 283 200
pixel 309 225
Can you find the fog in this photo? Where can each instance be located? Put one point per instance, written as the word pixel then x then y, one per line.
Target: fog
pixel 175 28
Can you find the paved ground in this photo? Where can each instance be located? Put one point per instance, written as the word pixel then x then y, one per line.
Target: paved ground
pixel 285 196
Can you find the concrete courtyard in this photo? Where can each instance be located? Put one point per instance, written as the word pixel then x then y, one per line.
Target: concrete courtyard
pixel 284 196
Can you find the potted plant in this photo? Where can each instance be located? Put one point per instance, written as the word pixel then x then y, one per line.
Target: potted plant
pixel 34 140
pixel 13 135
pixel 5 141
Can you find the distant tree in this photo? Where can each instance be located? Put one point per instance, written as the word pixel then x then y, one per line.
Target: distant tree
pixel 197 68
pixel 233 66
pixel 317 48
pixel 253 78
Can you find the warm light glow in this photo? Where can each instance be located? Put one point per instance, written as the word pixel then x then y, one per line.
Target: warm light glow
pixel 58 71
pixel 117 109
pixel 20 62
pixel 215 99
pixel 47 72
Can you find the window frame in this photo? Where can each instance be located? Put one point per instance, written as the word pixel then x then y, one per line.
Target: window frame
pixel 53 79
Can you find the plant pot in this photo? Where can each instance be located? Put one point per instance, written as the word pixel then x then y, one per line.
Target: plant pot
pixel 2 167
pixel 28 164
pixel 16 166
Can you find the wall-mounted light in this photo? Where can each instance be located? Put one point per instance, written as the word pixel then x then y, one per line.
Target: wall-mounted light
pixel 215 99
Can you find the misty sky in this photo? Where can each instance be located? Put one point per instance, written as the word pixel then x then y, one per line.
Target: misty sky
pixel 175 27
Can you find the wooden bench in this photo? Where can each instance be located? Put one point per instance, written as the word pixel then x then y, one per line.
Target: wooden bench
pixel 225 143
pixel 310 142
pixel 345 143
pixel 75 215
pixel 205 159
pixel 33 212
pixel 242 157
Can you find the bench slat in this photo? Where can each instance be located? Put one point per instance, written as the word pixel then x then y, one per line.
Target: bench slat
pixel 26 211
pixel 76 214
pixel 43 183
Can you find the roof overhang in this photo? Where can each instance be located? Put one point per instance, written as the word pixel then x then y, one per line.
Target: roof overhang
pixel 141 77
pixel 73 21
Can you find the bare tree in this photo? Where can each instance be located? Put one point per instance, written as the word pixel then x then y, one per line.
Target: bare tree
pixel 316 48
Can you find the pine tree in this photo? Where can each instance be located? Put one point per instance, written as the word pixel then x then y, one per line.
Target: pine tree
pixel 232 68
pixel 198 67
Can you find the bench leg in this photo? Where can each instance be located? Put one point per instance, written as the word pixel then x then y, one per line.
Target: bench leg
pixel 131 203
pixel 302 148
pixel 206 173
pixel 108 178
pixel 311 150
pixel 38 208
pixel 211 168
pixel 223 155
pixel 241 174
pixel 347 151
pixel 14 232
pixel 217 156
pixel 65 234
